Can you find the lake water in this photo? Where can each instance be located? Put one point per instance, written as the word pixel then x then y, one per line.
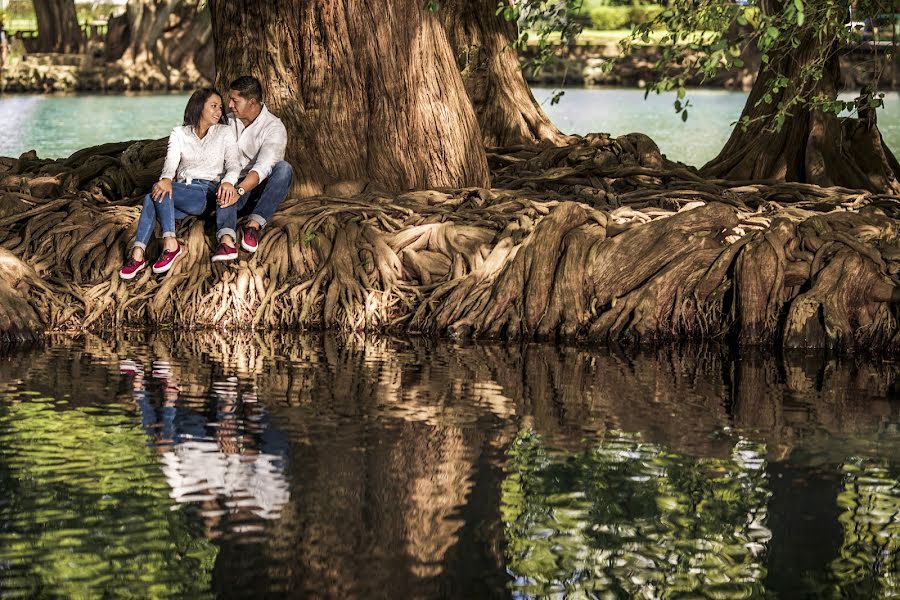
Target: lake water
pixel 210 465
pixel 57 126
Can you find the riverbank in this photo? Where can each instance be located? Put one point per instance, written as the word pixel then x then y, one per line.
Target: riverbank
pixel 603 241
pixel 584 65
pixel 581 65
pixel 60 73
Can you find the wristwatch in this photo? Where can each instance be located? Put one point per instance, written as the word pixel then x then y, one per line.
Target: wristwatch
pixel 241 191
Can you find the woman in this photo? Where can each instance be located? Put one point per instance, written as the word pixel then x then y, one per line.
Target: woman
pixel 201 154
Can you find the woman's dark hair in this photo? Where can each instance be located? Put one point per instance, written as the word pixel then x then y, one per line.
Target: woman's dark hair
pixel 194 107
pixel 248 87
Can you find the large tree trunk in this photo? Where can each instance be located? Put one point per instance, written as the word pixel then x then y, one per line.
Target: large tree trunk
pixel 506 109
pixel 368 90
pixel 812 146
pixel 170 38
pixel 58 29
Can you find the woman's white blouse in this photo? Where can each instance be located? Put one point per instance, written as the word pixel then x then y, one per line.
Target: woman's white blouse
pixel 214 158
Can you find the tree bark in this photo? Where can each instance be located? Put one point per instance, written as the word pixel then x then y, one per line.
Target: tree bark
pixel 369 91
pixel 172 38
pixel 812 146
pixel 58 29
pixel 507 111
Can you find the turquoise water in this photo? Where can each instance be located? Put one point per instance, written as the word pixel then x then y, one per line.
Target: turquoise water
pixel 57 126
pixel 621 111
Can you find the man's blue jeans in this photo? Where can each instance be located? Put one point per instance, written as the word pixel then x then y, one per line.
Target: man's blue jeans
pixel 186 199
pixel 266 198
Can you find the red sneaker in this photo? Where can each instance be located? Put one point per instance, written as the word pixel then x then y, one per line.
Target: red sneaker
pixel 166 260
pixel 250 239
pixel 132 268
pixel 224 252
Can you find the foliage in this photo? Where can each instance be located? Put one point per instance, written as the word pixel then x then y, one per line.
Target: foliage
pixel 20 14
pixel 869 561
pixel 629 519
pixel 543 19
pixel 610 18
pixel 87 511
pixel 591 4
pixel 784 29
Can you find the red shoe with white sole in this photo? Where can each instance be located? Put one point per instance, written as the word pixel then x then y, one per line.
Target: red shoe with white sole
pixel 224 252
pixel 250 239
pixel 166 260
pixel 132 268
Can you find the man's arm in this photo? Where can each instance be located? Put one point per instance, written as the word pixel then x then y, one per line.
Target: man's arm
pixel 270 153
pixel 250 181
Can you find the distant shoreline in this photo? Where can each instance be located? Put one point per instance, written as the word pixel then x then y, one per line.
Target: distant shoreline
pixel 583 65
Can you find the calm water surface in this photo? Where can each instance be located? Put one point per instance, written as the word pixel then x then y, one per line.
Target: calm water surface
pixel 696 141
pixel 202 465
pixel 57 126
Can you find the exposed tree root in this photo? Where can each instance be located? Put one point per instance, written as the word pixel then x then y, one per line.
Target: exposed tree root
pixel 603 240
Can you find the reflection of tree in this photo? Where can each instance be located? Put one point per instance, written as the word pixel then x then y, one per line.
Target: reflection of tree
pixel 388 462
pixel 86 509
pixel 807 397
pixel 395 461
pixel 630 519
pixel 869 561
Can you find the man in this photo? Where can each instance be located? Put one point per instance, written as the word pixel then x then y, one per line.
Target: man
pixel 265 176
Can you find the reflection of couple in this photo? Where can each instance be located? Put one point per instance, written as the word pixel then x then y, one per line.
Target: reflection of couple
pixel 238 160
pixel 232 463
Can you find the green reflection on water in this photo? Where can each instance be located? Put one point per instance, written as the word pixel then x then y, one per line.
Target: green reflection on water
pixel 869 561
pixel 630 519
pixel 87 512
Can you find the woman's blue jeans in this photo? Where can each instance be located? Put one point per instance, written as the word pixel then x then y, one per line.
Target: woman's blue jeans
pixel 186 199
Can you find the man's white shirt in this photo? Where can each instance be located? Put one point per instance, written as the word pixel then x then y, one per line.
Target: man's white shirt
pixel 261 144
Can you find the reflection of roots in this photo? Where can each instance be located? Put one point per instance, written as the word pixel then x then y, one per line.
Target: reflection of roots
pixel 602 240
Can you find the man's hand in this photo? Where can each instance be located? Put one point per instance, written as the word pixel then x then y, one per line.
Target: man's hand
pixel 226 195
pixel 161 189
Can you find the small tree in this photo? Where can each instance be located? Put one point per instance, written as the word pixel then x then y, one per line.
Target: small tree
pixel 58 29
pixel 792 127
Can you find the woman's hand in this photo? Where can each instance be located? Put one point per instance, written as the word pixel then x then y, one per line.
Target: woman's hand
pixel 226 195
pixel 160 189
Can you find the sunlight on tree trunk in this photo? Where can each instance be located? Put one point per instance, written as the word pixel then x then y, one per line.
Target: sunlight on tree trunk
pixel 369 91
pixel 506 108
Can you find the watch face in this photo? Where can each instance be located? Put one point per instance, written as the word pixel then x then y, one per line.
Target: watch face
pixel 240 191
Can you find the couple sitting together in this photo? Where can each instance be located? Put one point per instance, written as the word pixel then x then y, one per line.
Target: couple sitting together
pixel 238 160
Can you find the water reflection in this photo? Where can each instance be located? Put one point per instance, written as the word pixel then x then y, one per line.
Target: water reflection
pixel 335 467
pixel 633 520
pixel 229 462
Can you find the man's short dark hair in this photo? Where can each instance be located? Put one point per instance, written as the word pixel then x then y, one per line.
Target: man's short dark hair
pixel 248 87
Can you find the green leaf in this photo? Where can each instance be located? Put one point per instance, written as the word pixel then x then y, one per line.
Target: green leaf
pixel 801 15
pixel 684 114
